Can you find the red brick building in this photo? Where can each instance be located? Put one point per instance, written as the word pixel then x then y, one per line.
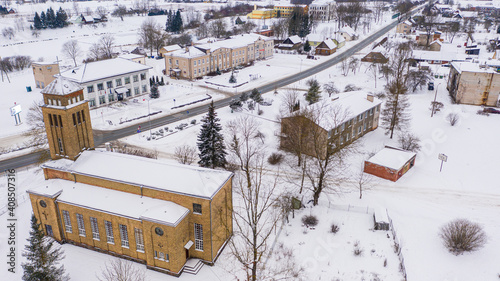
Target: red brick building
pixel 390 163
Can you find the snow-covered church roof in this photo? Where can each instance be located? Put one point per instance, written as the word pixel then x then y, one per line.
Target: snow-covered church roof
pixel 61 86
pixel 149 173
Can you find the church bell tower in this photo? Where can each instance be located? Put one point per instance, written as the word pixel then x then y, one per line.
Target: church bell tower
pixel 67 119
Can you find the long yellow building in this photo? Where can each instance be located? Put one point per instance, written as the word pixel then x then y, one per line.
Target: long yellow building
pixel 172 218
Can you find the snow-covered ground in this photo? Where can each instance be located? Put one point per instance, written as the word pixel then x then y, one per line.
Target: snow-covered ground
pixel 419 203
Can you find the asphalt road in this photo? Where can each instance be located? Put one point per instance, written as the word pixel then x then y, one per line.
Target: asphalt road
pixel 101 137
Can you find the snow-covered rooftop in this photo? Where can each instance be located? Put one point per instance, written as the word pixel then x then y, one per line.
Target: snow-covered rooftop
pixel 61 86
pixel 171 48
pixel 295 39
pixel 150 173
pixel 392 158
pixel 347 29
pixel 330 44
pixel 93 71
pixel 113 202
pixel 189 52
pixel 472 67
pixel 131 56
pixel 438 56
pixel 354 103
pixel 236 41
pixel 315 37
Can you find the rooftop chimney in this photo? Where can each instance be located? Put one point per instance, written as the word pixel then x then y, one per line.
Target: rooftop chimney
pixel 369 97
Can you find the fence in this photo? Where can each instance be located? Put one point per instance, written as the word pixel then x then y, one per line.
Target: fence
pixel 398 246
pixel 351 208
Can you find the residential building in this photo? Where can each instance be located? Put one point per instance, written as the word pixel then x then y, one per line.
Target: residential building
pixel 339 40
pixel 440 57
pixel 108 81
pixel 348 33
pixel 321 10
pixel 377 55
pixel 44 72
pixel 422 37
pixel 285 10
pixel 404 27
pixel 314 39
pixel 390 163
pixel 326 48
pixel 134 57
pixel 199 60
pixel 361 116
pixel 169 49
pixel 435 46
pixel 291 43
pixel 169 217
pixel 472 83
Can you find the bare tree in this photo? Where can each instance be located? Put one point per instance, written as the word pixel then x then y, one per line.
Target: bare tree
pixel 280 28
pixel 8 32
pixel 71 50
pixel 88 11
pixel 418 78
pixel 363 182
pixel 353 64
pixel 36 135
pixel 218 28
pixel 330 88
pixel 290 101
pixel 462 235
pixel 121 270
pixel 344 67
pixel 394 115
pixel 185 154
pixel 409 141
pixel 101 11
pixel 95 52
pixel 106 45
pixel 120 11
pixel 76 8
pixel 202 31
pixel 452 29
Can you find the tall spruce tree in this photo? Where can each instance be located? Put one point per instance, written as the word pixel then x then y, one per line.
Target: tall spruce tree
pixel 42 258
pixel 211 141
pixel 313 94
pixel 37 22
pixel 43 19
pixel 177 22
pixel 61 18
pixel 51 18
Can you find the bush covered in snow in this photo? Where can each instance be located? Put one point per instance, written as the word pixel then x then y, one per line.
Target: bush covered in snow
pixel 462 235
pixel 310 220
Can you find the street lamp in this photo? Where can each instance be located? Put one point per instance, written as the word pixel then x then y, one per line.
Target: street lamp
pixel 149 117
pixel 434 102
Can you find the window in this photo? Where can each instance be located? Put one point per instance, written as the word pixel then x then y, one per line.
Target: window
pixel 161 256
pixel 195 63
pixel 55 120
pixel 78 117
pixel 109 232
pixel 111 97
pixel 136 91
pixel 136 78
pixel 176 62
pixel 92 102
pixel 359 130
pixel 50 120
pixel 343 126
pixel 128 93
pixel 118 82
pixel 67 222
pixel 198 236
pixel 127 80
pixel 59 142
pixel 83 116
pixel 81 225
pixel 143 76
pixel 366 114
pixel 139 240
pixel 196 208
pixel 109 84
pixel 365 127
pixel 102 99
pixel 74 120
pixel 124 235
pixel 90 89
pixel 360 117
pixel 100 87
pixel 60 121
pixel 371 111
pixel 144 88
pixel 94 228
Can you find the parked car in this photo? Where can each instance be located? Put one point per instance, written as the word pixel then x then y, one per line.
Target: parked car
pixel 430 86
pixel 491 110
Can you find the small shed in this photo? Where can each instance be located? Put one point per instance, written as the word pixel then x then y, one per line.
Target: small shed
pixel 326 48
pixel 390 163
pixel 381 219
pixel 348 33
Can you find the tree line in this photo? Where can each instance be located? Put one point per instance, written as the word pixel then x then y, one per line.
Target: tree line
pixel 50 19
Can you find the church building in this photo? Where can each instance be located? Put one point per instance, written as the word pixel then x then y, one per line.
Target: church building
pixel 173 218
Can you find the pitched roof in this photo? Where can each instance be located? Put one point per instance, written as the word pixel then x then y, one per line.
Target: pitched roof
pixel 171 48
pixel 295 39
pixel 103 69
pixel 347 29
pixel 330 44
pixel 61 86
pixel 315 37
pixel 150 173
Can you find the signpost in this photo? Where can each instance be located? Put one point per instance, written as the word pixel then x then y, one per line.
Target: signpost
pixel 395 15
pixel 443 158
pixel 14 111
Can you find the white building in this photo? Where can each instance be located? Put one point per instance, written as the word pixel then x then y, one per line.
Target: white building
pixel 109 81
pixel 321 10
